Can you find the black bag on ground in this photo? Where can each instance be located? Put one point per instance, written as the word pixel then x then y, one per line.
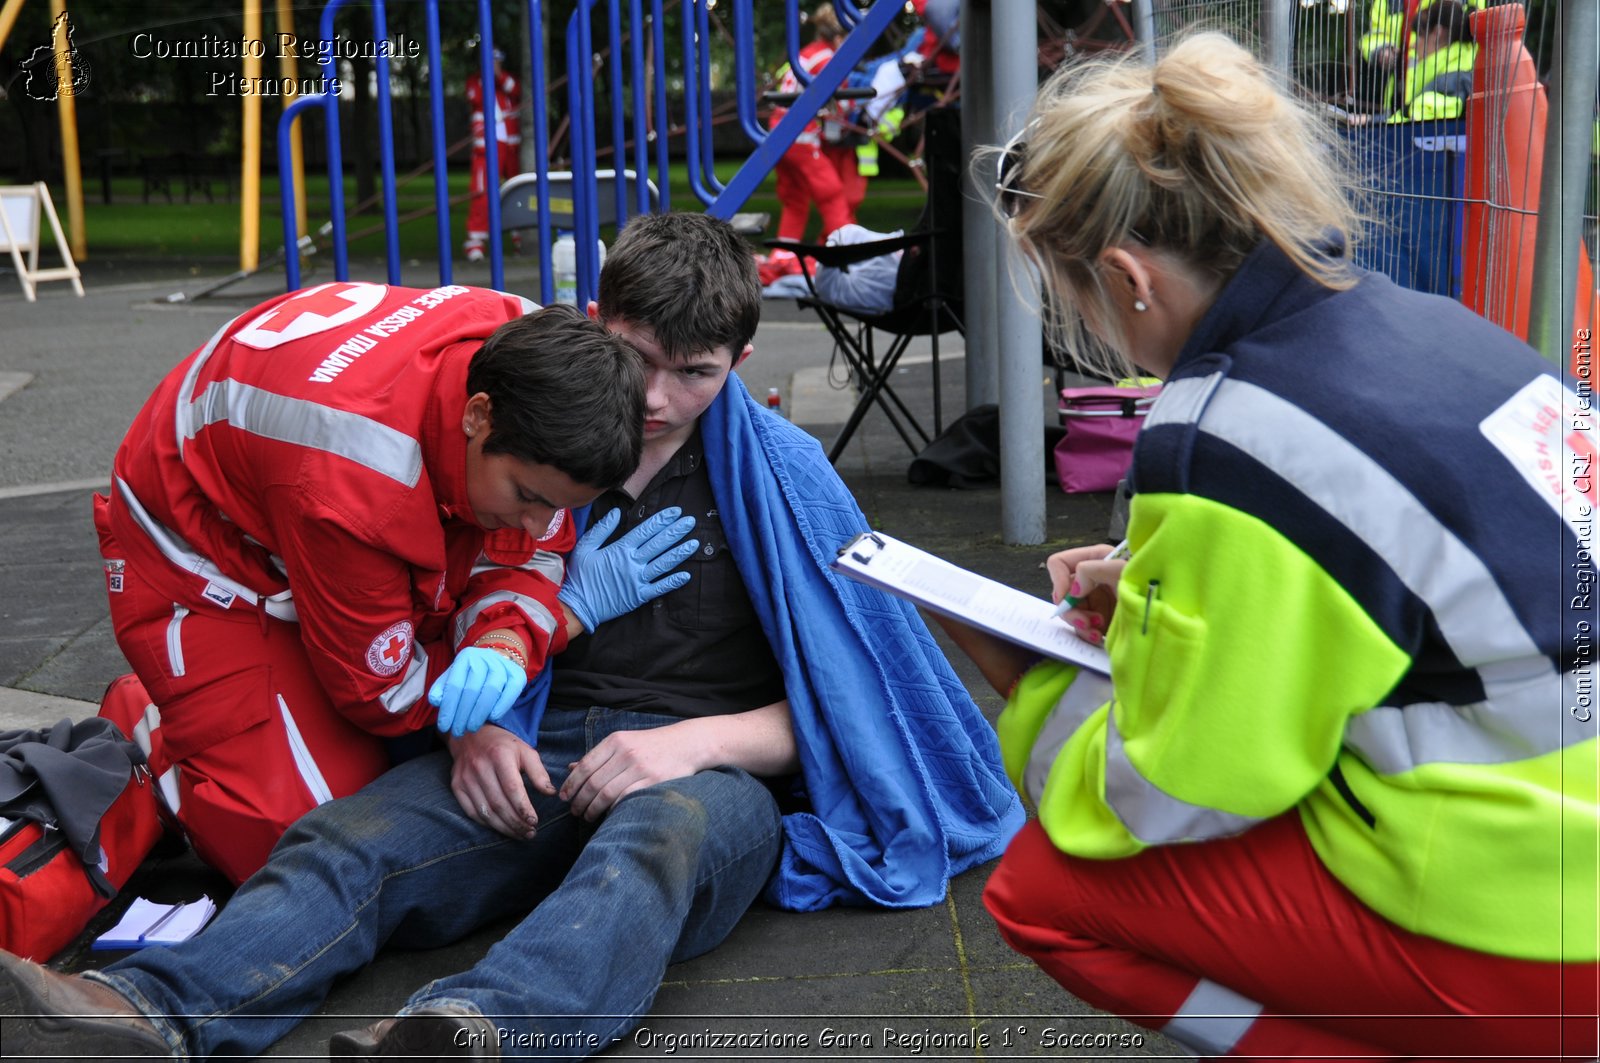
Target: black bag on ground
pixel 967 453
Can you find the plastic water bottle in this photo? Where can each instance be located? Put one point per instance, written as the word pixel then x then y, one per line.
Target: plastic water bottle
pixel 564 264
pixel 775 401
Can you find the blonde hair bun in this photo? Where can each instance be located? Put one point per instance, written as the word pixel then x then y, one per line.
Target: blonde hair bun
pixel 1202 156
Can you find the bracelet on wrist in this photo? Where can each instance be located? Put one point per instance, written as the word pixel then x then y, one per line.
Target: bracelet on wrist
pixel 508 646
pixel 504 638
pixel 509 654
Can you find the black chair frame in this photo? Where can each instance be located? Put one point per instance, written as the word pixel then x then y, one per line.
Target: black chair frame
pixel 852 331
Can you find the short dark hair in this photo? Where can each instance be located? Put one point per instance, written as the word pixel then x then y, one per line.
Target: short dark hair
pixel 1448 15
pixel 688 278
pixel 565 392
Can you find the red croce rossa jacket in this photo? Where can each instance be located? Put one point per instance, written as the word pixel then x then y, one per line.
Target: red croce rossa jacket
pixel 309 461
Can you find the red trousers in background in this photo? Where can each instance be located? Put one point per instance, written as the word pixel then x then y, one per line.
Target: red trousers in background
pixel 1249 947
pixel 806 176
pixel 851 184
pixel 478 205
pixel 246 740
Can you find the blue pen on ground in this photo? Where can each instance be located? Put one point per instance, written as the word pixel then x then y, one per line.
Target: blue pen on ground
pixel 1068 602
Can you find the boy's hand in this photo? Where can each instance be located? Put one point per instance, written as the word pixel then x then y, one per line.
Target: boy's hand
pixel 487 780
pixel 604 582
pixel 625 761
pixel 479 686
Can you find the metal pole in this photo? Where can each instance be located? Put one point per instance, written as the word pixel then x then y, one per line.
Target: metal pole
pixel 250 155
pixel 1015 41
pixel 67 114
pixel 1144 28
pixel 289 68
pixel 1567 144
pixel 1277 35
pixel 8 17
pixel 979 230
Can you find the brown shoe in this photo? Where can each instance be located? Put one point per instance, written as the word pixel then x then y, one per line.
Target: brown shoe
pixel 431 1033
pixel 51 1015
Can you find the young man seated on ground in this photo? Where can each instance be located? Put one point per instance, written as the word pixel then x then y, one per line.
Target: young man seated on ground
pixel 649 817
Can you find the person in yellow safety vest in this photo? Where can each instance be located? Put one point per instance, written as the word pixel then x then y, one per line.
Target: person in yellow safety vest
pixel 1387 18
pixel 1439 78
pixel 1380 49
pixel 936 54
pixel 1331 791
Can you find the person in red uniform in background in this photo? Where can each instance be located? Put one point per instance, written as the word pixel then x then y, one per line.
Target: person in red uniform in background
pixel 347 508
pixel 838 146
pixel 508 130
pixel 939 51
pixel 808 173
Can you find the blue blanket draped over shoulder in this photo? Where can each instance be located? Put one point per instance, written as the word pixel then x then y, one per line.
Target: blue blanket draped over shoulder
pixel 901 770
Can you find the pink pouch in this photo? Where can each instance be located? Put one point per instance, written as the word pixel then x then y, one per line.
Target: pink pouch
pixel 1101 423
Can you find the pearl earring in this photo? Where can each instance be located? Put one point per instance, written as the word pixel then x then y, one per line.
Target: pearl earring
pixel 1139 305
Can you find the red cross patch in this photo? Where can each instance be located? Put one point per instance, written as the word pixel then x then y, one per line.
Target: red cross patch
pixel 555 526
pixel 391 650
pixel 310 312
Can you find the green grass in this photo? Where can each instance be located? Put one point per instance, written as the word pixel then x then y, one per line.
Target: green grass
pixel 197 230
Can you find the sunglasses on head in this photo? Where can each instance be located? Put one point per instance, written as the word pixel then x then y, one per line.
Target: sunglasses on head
pixel 1008 172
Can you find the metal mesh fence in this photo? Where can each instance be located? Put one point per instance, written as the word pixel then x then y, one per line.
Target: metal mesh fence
pixel 1453 193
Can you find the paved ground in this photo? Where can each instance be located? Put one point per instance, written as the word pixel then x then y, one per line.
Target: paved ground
pixel 934 983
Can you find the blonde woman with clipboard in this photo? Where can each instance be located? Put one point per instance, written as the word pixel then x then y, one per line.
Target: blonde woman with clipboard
pixel 1338 797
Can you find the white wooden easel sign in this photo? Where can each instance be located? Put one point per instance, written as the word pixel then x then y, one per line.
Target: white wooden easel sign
pixel 22 207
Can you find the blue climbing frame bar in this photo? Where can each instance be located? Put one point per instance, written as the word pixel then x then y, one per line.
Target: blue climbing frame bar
pixel 631 87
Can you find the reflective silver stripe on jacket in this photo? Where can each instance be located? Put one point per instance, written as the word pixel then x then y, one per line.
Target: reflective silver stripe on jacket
pixel 1212 1019
pixel 167 782
pixel 386 451
pixel 412 686
pixel 547 564
pixel 1521 715
pixel 175 665
pixel 1466 603
pixel 537 614
pixel 186 389
pixel 1182 401
pixel 1086 694
pixel 1151 814
pixel 181 554
pixel 1516 719
pixel 304 762
pixel 1520 722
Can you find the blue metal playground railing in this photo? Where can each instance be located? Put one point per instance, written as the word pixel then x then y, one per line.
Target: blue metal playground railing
pixel 639 111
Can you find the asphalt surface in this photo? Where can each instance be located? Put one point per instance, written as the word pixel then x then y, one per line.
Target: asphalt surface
pixel 935 983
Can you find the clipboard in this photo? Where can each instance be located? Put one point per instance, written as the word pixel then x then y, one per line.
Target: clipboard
pixel 935 584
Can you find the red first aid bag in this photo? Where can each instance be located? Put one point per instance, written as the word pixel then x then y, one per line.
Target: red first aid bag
pixel 1101 423
pixel 47 893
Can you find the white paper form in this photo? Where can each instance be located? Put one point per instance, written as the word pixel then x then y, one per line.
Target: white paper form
pixel 149 922
pixel 935 584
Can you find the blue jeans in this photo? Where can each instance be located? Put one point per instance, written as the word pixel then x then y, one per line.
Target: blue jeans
pixel 663 877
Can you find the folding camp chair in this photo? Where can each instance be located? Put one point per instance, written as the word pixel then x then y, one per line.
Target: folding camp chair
pixel 927 295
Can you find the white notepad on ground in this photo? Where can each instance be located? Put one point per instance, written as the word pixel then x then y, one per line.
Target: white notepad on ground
pixel 148 923
pixel 935 584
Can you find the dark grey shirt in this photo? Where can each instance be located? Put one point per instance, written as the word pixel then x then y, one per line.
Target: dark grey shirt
pixel 695 651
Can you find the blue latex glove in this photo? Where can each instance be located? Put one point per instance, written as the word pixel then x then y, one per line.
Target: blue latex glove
pixel 479 686
pixel 603 582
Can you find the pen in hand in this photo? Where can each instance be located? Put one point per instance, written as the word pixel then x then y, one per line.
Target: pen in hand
pixel 1068 602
